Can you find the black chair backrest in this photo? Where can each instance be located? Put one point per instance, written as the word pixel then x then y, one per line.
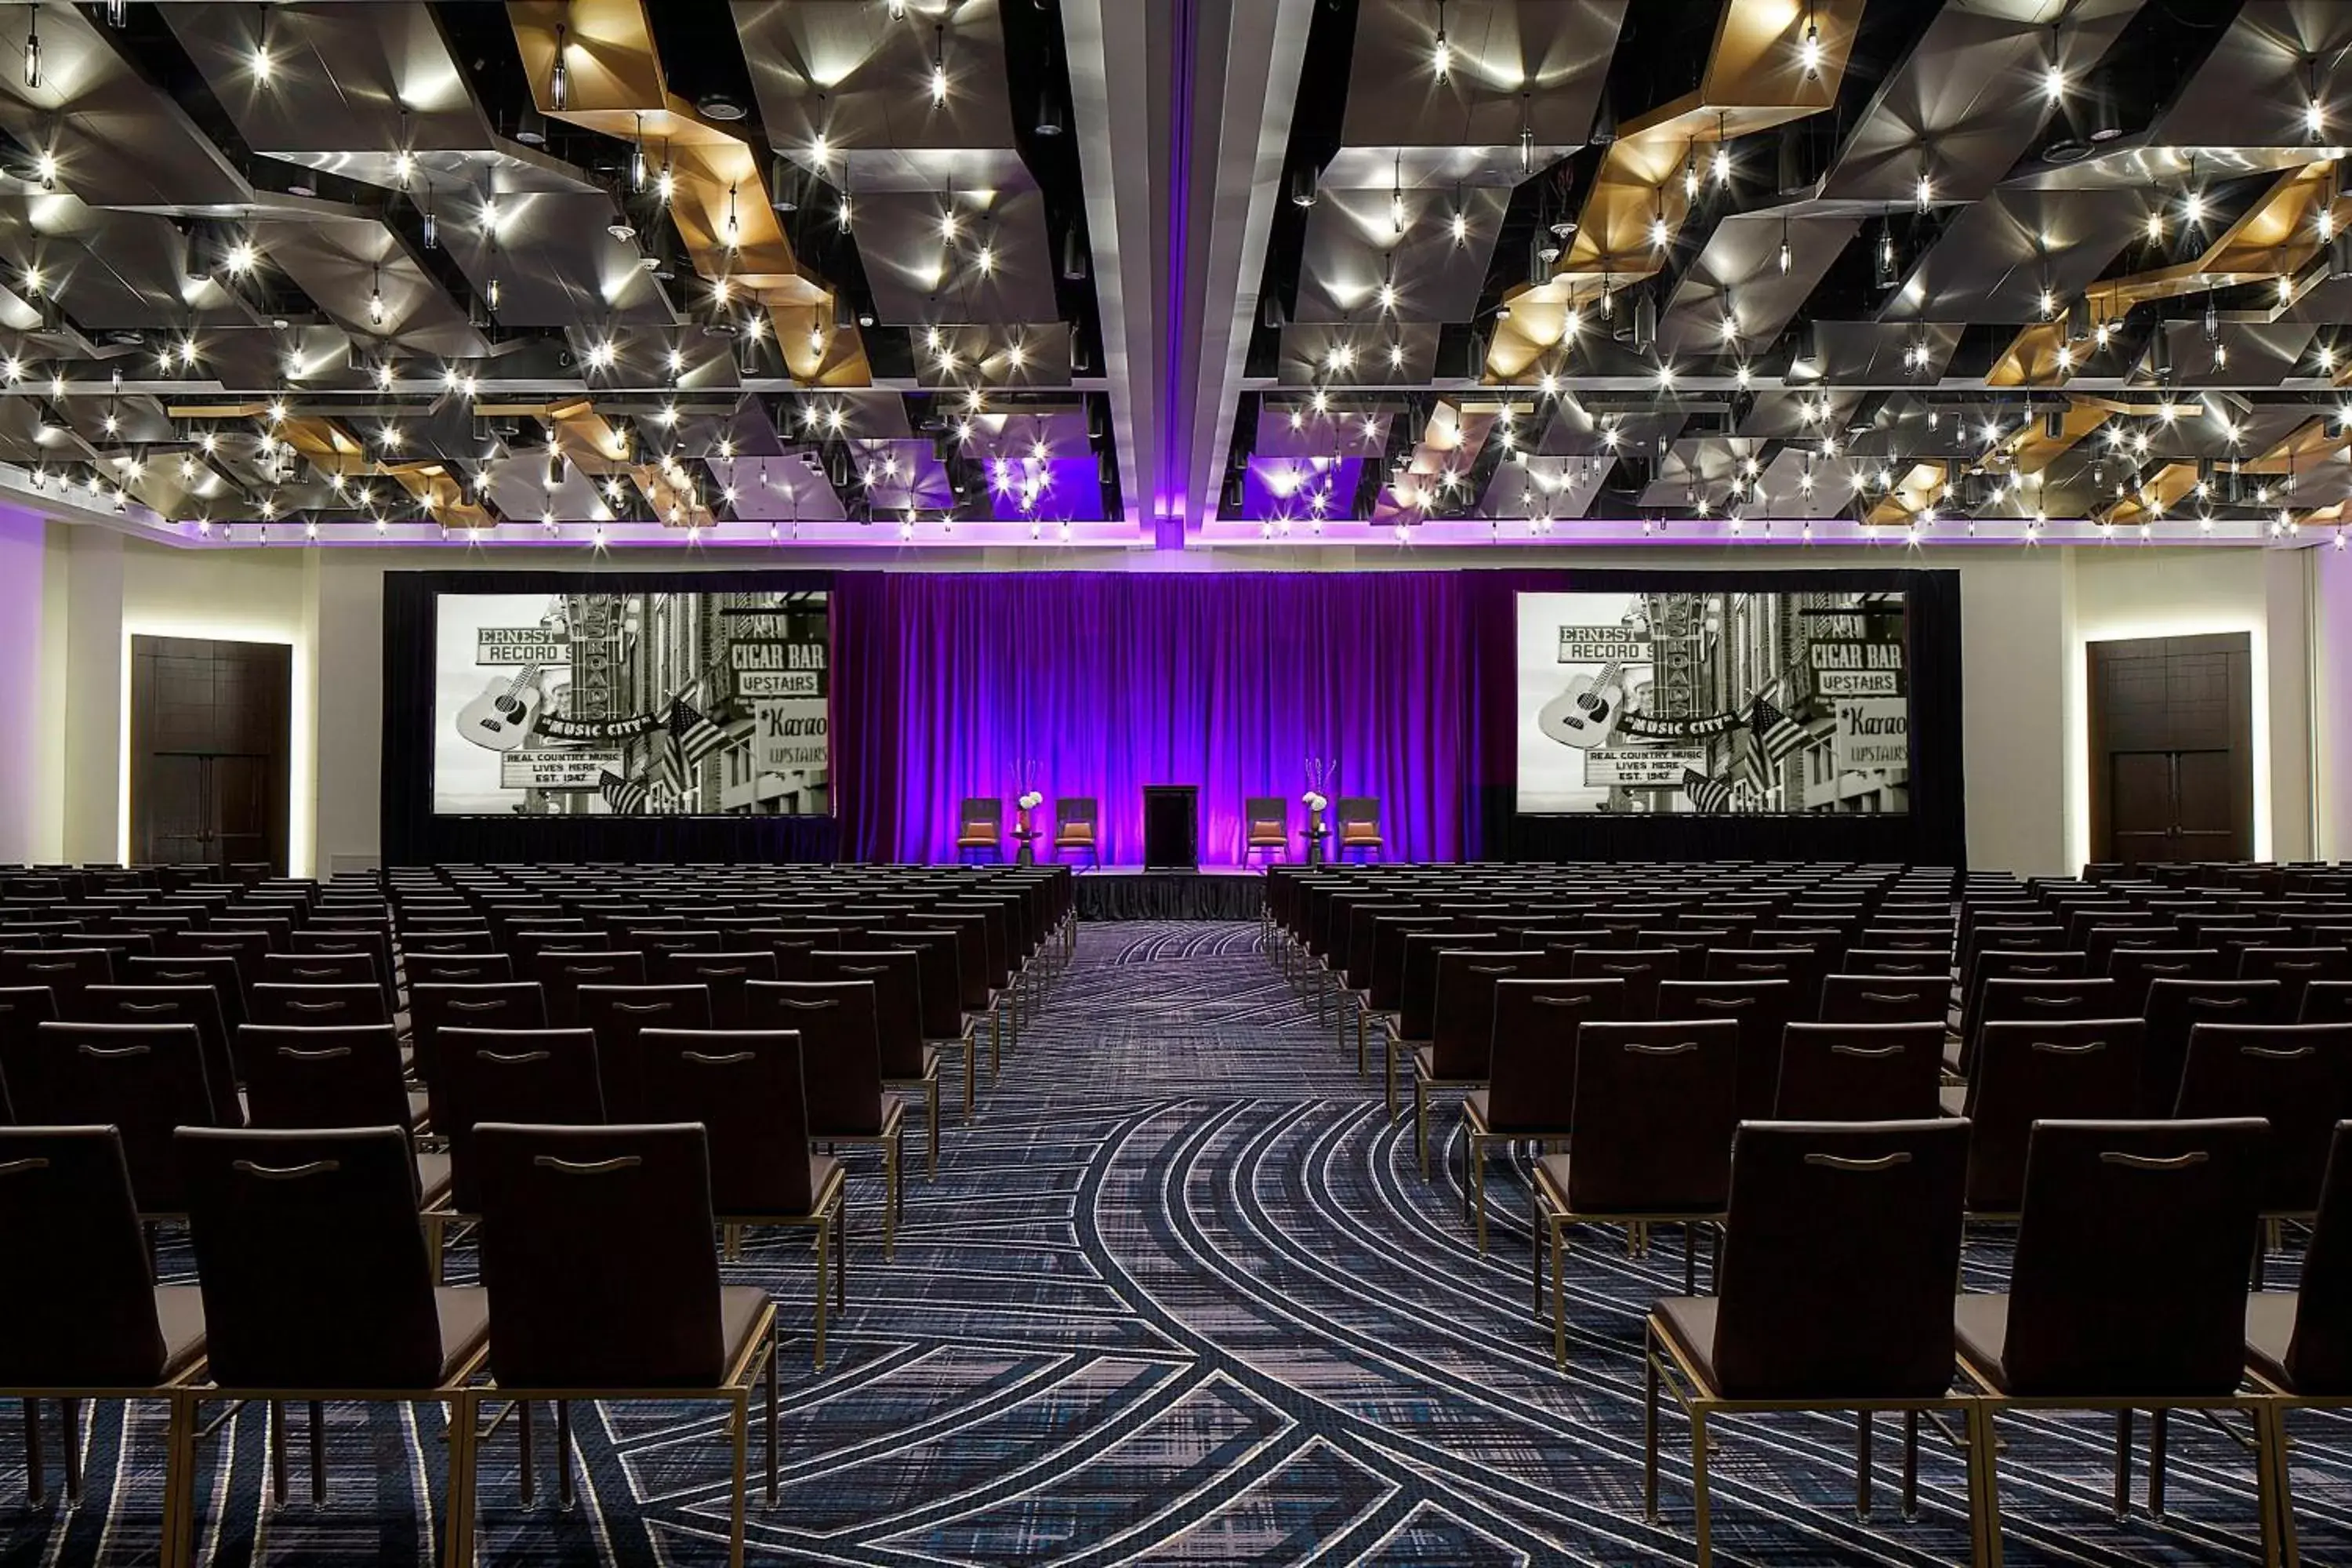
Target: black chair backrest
pixel 1762 1008
pixel 2297 1077
pixel 2084 1069
pixel 68 971
pixel 599 1251
pixel 841 1049
pixel 1641 969
pixel 2011 964
pixel 344 1075
pixel 1461 1021
pixel 318 969
pixel 793 944
pixel 458 968
pixel 533 1076
pixel 272 1003
pixel 1859 1072
pixel 935 966
pixel 563 973
pixel 2135 969
pixel 23 1009
pixel 312 1258
pixel 195 1004
pixel 1815 1207
pixel 489 1005
pixel 1417 992
pixel 2324 1002
pixel 2132 1249
pixel 1881 999
pixel 1531 1083
pixel 143 1079
pixel 2293 968
pixel 745 1087
pixel 2015 998
pixel 722 973
pixel 896 975
pixel 89 1321
pixel 2174 1007
pixel 1656 1107
pixel 618 1015
pixel 1899 963
pixel 2319 1355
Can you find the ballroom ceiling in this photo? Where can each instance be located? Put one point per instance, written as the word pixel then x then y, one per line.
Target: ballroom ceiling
pixel 701 272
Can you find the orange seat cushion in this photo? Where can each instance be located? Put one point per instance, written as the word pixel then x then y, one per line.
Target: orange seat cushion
pixel 1359 832
pixel 1265 832
pixel 1077 833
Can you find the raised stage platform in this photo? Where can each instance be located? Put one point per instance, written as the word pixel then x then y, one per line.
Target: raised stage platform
pixel 1132 893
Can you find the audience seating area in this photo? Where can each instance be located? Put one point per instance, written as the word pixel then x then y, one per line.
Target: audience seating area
pixel 324 1082
pixel 2136 1086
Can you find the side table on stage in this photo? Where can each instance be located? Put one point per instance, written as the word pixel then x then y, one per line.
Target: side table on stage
pixel 1027 839
pixel 1313 837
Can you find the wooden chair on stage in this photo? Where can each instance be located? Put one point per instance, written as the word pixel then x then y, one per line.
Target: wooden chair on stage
pixel 980 825
pixel 1074 826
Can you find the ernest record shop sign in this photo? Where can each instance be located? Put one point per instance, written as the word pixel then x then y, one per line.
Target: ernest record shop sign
pixel 520 645
pixel 1599 645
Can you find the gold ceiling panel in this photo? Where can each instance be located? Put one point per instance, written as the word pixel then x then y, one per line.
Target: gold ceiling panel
pixel 1920 487
pixel 1754 80
pixel 2300 451
pixel 615 85
pixel 2158 494
pixel 2279 234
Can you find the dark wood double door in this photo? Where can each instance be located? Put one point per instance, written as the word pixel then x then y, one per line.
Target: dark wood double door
pixel 209 751
pixel 2171 763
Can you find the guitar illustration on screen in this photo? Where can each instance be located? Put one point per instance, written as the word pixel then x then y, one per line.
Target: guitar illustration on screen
pixel 501 718
pixel 1586 713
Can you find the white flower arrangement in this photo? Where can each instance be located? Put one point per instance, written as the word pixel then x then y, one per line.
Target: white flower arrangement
pixel 1314 801
pixel 1031 801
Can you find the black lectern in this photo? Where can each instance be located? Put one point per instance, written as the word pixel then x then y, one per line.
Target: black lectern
pixel 1172 828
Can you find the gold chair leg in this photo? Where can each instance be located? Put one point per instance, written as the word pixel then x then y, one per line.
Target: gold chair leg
pixel 175 1483
pixel 463 1444
pixel 2290 1551
pixel 823 1222
pixel 1983 1468
pixel 433 1242
pixel 1559 1297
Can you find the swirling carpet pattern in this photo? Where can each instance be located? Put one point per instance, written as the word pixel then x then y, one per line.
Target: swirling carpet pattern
pixel 1181 1295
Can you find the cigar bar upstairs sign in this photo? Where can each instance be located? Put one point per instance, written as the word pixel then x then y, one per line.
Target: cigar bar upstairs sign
pixel 1857 658
pixel 769 657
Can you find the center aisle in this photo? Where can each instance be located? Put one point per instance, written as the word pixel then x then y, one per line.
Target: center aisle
pixel 1183 1294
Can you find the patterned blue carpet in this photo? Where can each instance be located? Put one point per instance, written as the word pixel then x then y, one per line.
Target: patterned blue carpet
pixel 1181 1295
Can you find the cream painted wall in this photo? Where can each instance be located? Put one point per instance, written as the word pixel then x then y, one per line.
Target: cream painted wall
pixel 2125 592
pixel 117 589
pixel 2026 617
pixel 23 607
pixel 2331 663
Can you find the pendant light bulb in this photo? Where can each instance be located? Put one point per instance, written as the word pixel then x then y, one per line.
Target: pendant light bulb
pixel 638 171
pixel 375 298
pixel 33 46
pixel 558 76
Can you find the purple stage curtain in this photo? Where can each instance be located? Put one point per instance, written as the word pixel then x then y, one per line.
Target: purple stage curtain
pixel 945 683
